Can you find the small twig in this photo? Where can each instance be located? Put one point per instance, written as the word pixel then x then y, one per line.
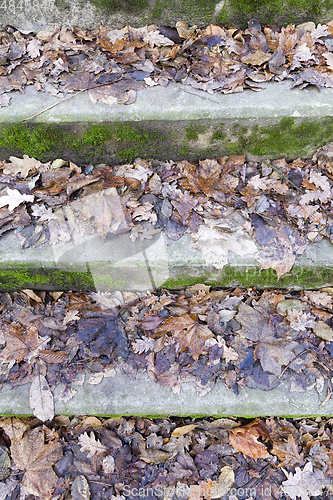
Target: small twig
pixel 68 97
pixel 52 105
pixel 287 366
pixel 297 188
pixel 197 95
pixel 329 394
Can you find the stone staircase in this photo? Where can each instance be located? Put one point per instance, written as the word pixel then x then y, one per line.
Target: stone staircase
pixel 174 123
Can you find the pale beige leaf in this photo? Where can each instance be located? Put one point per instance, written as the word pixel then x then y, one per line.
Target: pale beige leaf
pixel 329 59
pixel 256 58
pixel 223 484
pixel 22 166
pixel 323 331
pixel 41 398
pixel 34 48
pixel 32 295
pixel 321 299
pixel 14 198
pixel 90 444
pixel 71 315
pixel 108 464
pixel 80 488
pixel 305 482
pixel 181 431
pixel 217 237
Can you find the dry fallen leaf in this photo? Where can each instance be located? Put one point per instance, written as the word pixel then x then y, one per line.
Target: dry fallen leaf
pixel 245 440
pixel 80 488
pixel 219 236
pixel 35 459
pixel 90 444
pixel 188 332
pixel 287 452
pixel 22 166
pixel 14 198
pixel 41 398
pixel 305 482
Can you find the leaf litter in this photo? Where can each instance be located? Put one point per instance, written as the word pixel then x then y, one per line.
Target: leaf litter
pixel 242 337
pixel 182 458
pixel 113 64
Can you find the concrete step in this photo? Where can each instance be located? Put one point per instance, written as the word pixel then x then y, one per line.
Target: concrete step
pixel 117 13
pixel 118 263
pixel 173 123
pixel 120 395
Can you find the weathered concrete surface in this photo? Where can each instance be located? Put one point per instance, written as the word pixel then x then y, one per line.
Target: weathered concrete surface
pixel 45 14
pixel 118 263
pixel 171 123
pixel 121 395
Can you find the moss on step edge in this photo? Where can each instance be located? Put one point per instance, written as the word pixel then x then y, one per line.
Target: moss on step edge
pixel 274 11
pixel 16 277
pixel 196 139
pixel 203 12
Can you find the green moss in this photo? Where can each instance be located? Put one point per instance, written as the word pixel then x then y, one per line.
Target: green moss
pixel 33 141
pixel 218 134
pixel 121 5
pixel 193 131
pixel 95 135
pixel 114 143
pixel 274 11
pixel 62 4
pixel 24 276
pixel 290 138
pixel 307 277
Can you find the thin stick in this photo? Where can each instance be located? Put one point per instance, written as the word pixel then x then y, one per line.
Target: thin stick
pixel 196 95
pixel 52 105
pixel 68 97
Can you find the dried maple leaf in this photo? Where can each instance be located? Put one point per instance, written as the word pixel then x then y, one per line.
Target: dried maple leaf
pixel 271 348
pixel 14 198
pixel 279 247
pixel 27 345
pixel 35 458
pixel 90 444
pixel 287 452
pixel 109 215
pixel 21 346
pixel 219 236
pixel 211 177
pixel 187 332
pixel 245 440
pixel 22 166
